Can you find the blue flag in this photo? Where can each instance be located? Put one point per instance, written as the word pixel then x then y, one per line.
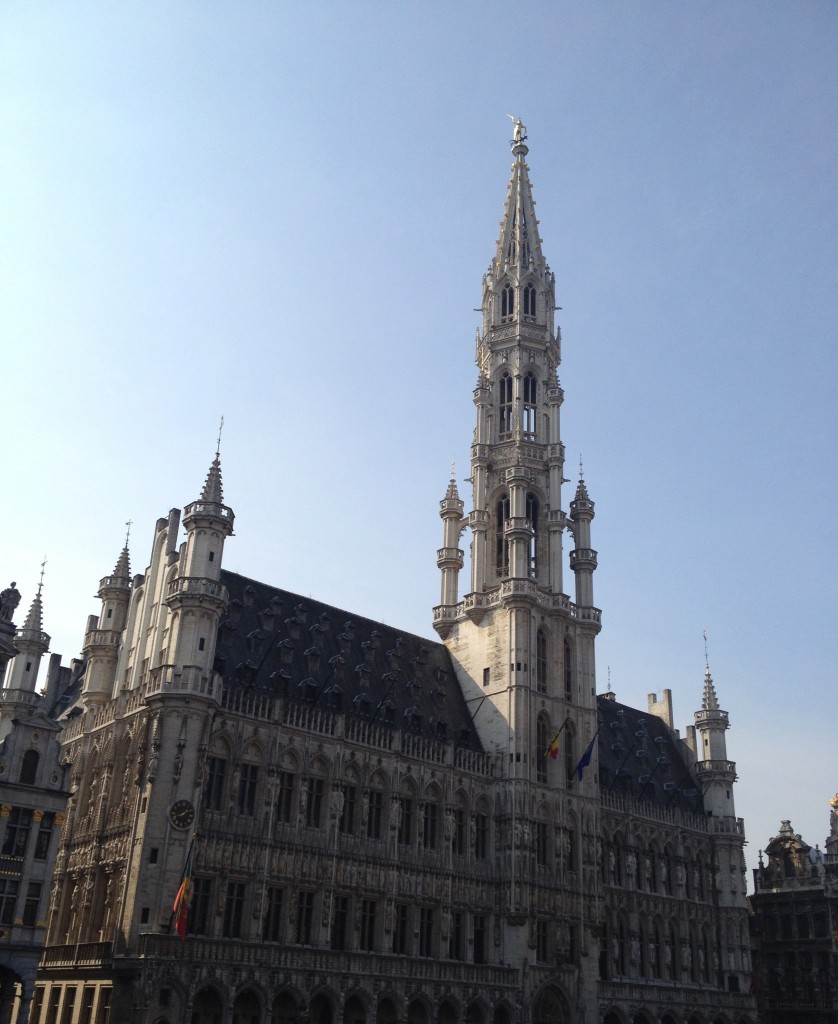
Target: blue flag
pixel 585 759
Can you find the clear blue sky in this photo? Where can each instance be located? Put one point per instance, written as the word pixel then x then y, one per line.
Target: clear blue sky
pixel 282 212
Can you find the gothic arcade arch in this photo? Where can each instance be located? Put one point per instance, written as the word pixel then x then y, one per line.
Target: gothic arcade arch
pixel 207 1006
pixel 418 1011
pixel 355 1009
pixel 387 1011
pixel 551 1006
pixel 247 1006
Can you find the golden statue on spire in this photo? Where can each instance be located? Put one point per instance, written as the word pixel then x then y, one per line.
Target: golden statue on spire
pixel 519 132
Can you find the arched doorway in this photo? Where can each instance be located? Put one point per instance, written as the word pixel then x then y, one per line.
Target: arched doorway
pixel 354 1011
pixel 386 1012
pixel 206 1007
pixel 320 1010
pixel 417 1012
pixel 501 1014
pixel 551 1007
pixel 246 1008
pixel 284 1009
pixel 475 1014
pixel 447 1013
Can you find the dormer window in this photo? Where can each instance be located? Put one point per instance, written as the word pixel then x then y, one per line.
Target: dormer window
pixel 529 301
pixel 507 301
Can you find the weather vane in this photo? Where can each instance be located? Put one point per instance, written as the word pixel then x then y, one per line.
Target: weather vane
pixel 218 439
pixel 41 581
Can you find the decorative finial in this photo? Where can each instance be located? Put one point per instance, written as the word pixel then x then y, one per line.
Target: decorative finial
pixel 218 440
pixel 128 524
pixel 41 581
pixel 609 679
pixel 452 468
pixel 706 658
pixel 581 474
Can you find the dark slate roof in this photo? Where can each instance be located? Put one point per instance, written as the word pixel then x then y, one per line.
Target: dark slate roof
pixel 280 643
pixel 641 757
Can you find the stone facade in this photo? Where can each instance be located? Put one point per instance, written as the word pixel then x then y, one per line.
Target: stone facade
pixel 32 800
pixel 381 828
pixel 795 929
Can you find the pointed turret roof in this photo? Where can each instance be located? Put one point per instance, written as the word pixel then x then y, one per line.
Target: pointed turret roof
pixel 519 244
pixel 35 616
pixel 31 635
pixel 123 564
pixel 212 485
pixel 709 702
pixel 452 491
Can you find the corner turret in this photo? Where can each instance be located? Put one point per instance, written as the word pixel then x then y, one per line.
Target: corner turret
pixel 583 558
pixel 103 638
pixel 449 558
pixel 196 597
pixel 31 644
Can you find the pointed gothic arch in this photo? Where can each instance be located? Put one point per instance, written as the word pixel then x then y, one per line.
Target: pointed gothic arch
pixel 505 403
pixel 541 755
pixel 387 1011
pixel 551 1006
pixel 529 407
pixel 533 509
pixel 542 655
pixel 502 514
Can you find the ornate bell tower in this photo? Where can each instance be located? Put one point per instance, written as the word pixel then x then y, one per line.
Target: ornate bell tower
pixel 517 638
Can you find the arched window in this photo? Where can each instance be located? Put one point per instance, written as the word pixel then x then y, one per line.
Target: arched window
pixel 507 301
pixel 29 767
pixel 505 406
pixel 528 425
pixel 568 670
pixel 656 951
pixel 541 661
pixel 529 301
pixel 569 737
pixel 532 519
pixel 501 543
pixel 542 741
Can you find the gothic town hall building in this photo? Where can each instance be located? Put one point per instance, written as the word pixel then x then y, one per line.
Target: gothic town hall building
pixel 373 826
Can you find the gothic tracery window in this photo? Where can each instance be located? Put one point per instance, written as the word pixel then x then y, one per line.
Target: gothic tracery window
pixel 507 301
pixel 529 411
pixel 501 543
pixel 541 661
pixel 505 406
pixel 529 301
pixel 532 519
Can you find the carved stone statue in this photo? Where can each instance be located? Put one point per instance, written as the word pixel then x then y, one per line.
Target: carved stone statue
pixel 9 600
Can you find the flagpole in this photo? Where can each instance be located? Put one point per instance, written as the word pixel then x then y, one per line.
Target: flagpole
pixel 187 864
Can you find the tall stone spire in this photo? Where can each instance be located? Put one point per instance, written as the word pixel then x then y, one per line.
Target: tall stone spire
pixel 519 245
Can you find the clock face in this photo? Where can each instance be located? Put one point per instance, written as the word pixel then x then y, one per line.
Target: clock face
pixel 181 814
